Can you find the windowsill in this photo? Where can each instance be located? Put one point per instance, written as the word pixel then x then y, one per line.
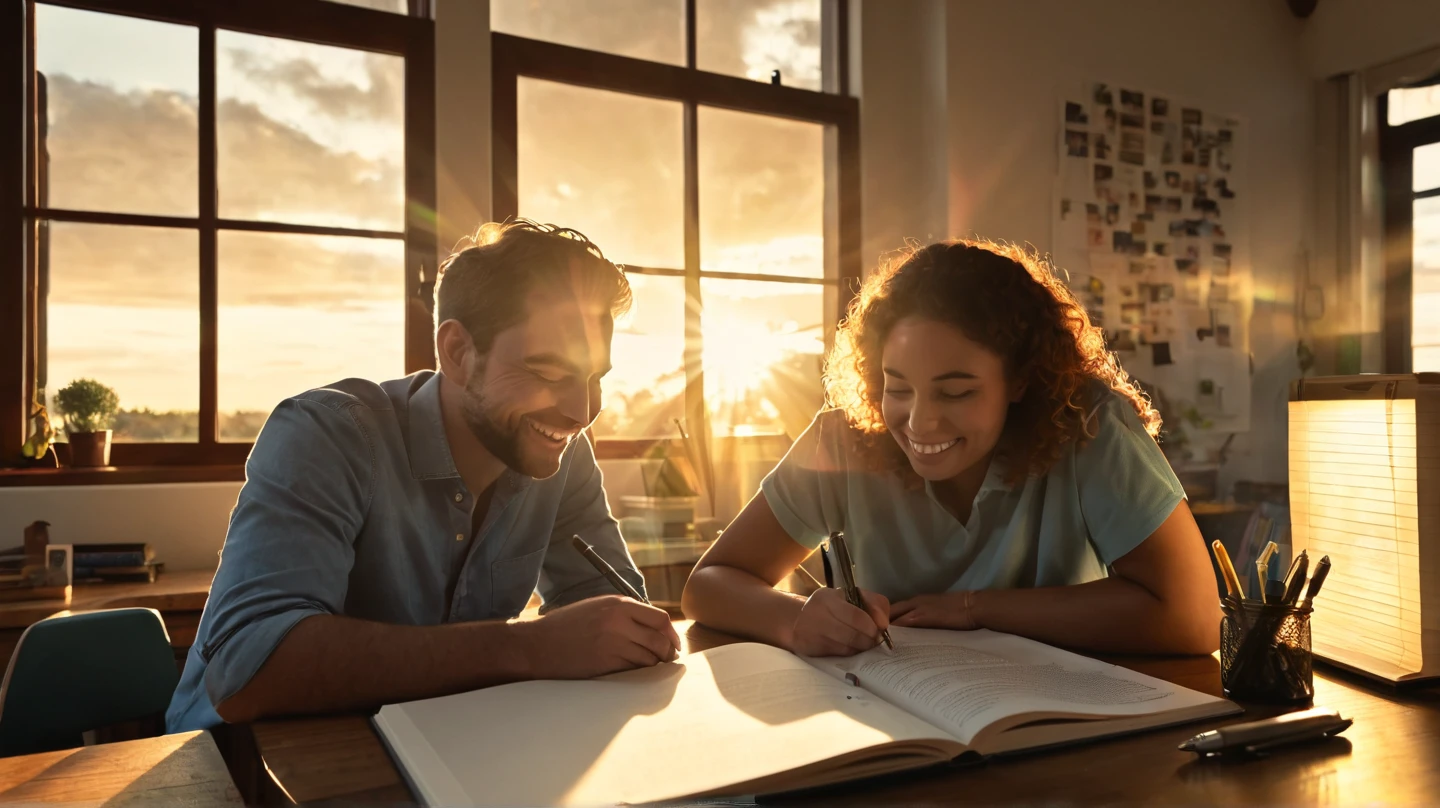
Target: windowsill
pixel 120 475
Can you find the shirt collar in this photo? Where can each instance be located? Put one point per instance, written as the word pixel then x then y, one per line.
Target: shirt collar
pixel 430 457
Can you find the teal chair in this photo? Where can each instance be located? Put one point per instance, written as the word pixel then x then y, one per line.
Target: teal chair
pixel 76 672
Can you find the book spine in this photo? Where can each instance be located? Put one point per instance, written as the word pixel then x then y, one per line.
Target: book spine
pixel 109 559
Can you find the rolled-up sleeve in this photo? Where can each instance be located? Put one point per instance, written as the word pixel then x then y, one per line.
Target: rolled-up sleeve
pixel 1127 488
pixel 566 576
pixel 806 490
pixel 290 545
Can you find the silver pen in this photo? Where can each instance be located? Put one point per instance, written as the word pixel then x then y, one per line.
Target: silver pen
pixel 1256 735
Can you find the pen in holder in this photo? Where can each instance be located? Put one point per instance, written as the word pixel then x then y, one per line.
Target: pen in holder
pixel 1265 652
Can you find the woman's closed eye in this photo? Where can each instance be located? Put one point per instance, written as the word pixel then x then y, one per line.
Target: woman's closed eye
pixel 898 392
pixel 957 396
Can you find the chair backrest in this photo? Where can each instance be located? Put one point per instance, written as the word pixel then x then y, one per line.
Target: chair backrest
pixel 76 672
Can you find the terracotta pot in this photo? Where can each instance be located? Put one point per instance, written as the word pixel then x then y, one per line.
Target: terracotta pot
pixel 89 449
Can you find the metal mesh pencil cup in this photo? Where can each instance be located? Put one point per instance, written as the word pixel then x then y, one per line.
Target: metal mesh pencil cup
pixel 1265 655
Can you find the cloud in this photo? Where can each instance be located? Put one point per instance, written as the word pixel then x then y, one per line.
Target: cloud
pixel 383 99
pixel 136 152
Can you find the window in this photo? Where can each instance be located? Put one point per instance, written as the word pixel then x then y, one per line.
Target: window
pixel 731 202
pixel 1410 158
pixel 224 204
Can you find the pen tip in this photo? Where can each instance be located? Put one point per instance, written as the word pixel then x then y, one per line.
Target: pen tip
pixel 1187 747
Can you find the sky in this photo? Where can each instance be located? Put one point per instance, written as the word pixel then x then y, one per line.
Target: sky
pixel 314 135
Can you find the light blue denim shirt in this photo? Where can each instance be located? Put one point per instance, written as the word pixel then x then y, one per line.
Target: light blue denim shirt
pixel 352 505
pixel 1100 500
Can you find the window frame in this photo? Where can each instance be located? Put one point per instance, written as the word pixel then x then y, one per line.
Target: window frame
pixel 515 57
pixel 1397 147
pixel 410 36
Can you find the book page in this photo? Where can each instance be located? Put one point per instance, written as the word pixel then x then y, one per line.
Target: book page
pixel 966 682
pixel 734 714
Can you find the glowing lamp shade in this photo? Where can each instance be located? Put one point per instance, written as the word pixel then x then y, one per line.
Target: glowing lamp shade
pixel 1365 490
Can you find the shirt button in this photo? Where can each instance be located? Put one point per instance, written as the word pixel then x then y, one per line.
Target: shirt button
pixel 459 496
pixel 459 537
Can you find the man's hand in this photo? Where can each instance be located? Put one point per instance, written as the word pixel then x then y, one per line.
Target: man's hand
pixel 829 626
pixel 598 636
pixel 950 610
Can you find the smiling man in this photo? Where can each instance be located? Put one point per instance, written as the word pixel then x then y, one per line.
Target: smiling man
pixel 387 533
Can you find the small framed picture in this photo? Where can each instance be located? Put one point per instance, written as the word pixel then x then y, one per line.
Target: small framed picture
pixel 59 565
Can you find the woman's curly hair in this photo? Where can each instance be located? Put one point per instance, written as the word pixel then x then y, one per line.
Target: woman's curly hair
pixel 1007 299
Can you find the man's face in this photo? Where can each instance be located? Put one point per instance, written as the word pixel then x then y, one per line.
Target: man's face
pixel 540 384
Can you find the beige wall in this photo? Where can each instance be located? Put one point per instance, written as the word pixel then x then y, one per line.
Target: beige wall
pixel 1343 36
pixel 1007 63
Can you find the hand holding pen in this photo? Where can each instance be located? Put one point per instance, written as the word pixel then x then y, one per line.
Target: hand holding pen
pixel 830 625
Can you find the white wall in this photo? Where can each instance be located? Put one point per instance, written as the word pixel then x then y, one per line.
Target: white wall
pixel 1007 63
pixel 184 523
pixel 900 79
pixel 1343 36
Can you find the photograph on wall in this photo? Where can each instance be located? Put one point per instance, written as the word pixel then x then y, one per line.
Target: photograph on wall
pixel 1162 184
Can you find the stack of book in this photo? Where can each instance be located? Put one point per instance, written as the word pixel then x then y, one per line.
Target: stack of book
pixel 116 563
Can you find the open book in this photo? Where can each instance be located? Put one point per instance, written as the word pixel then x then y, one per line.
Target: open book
pixel 750 718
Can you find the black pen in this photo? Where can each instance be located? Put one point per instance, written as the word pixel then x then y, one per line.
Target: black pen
pixel 1297 579
pixel 1317 580
pixel 604 568
pixel 847 578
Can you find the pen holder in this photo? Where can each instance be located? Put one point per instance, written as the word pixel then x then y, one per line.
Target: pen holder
pixel 1265 653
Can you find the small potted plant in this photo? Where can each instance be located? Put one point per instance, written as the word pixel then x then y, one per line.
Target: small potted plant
pixel 89 408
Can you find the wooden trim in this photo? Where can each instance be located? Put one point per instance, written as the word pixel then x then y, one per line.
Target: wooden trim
pixel 697 423
pixel 420 270
pixel 606 71
pixel 318 21
pixel 104 217
pixel 209 203
pixel 117 475
pixel 252 226
pixel 504 134
pixel 15 167
pixel 191 223
pixel 1396 158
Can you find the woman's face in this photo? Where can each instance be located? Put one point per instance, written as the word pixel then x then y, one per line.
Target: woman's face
pixel 945 397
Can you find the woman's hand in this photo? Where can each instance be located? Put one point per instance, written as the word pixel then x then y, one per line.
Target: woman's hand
pixel 950 610
pixel 829 626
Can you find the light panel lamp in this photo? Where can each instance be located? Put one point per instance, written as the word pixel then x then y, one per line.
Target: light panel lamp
pixel 1365 490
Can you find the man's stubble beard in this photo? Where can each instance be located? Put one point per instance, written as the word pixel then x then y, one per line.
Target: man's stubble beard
pixel 498 441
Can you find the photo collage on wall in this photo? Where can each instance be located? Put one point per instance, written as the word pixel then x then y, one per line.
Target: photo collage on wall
pixel 1150 225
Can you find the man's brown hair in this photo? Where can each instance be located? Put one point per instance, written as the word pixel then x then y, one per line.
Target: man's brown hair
pixel 485 283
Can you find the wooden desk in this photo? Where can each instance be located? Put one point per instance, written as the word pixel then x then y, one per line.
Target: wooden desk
pixel 1388 756
pixel 178 596
pixel 183 769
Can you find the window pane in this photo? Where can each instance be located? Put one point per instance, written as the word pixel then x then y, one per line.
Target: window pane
pixel 310 134
pixel 643 29
pixel 607 164
pixel 1425 172
pixel 123 308
pixel 1425 333
pixel 750 38
pixel 120 106
pixel 1406 105
pixel 299 312
pixel 762 351
pixel 762 194
pixel 395 6
pixel 646 389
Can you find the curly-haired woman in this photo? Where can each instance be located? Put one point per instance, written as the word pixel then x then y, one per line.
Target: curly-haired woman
pixel 991 465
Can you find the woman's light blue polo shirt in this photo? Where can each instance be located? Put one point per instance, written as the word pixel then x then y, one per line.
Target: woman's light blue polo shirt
pixel 1097 503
